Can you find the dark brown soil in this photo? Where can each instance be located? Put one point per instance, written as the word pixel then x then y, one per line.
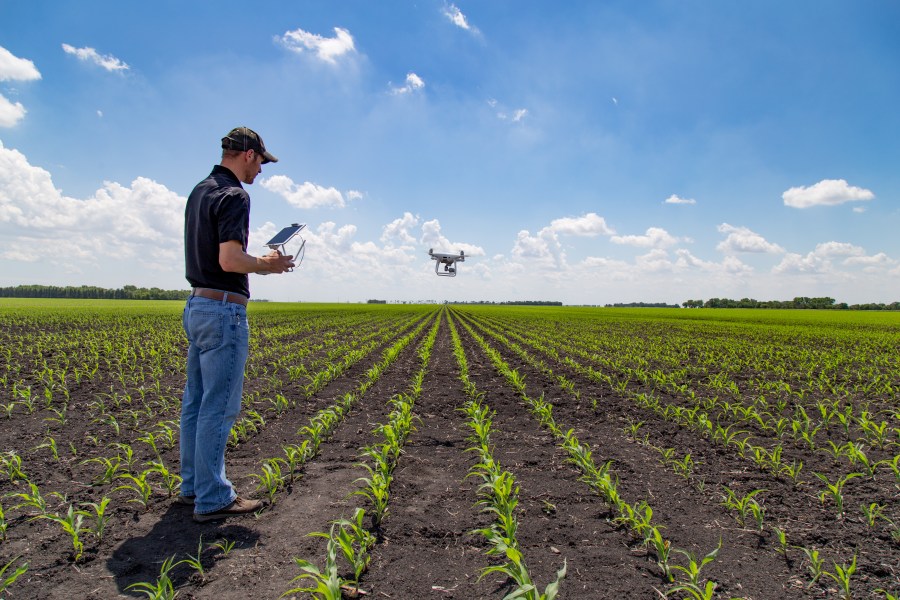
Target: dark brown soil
pixel 427 548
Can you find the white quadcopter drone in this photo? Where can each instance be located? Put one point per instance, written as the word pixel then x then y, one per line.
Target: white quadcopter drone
pixel 448 260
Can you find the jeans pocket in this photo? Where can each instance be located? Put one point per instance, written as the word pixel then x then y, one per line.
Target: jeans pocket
pixel 206 329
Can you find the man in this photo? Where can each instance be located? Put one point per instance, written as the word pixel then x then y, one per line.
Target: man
pixel 216 227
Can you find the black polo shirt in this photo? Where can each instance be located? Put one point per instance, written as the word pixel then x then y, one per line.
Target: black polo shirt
pixel 217 211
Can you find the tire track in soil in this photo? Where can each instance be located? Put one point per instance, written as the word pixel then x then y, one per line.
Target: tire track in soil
pixel 691 519
pixel 427 539
pixel 261 562
pixel 599 562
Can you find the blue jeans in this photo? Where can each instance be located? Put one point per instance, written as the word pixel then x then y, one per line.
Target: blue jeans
pixel 218 344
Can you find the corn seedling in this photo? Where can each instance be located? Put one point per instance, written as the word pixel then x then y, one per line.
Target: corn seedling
pixel 781 536
pixel 50 444
pixel 872 512
pixel 663 548
pixel 110 469
pixel 377 490
pixel 815 565
pixel 32 499
pixel 842 575
pixel 793 471
pixel 8 580
pixel 295 455
pixel 694 566
pixel 224 546
pixel 3 524
pixel 162 588
pixel 743 505
pixel 695 592
pixel 71 524
pixel 139 486
pixel 327 581
pixel 515 569
pixel 835 491
pixel 171 481
pixel 355 542
pixel 12 463
pixel 270 478
pixel 101 518
pixel 196 562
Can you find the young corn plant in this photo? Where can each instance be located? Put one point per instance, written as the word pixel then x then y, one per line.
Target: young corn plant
pixel 3 524
pixel 72 525
pixel 12 463
pixel 695 565
pixel 196 562
pixel 224 545
pixel 8 580
pixel 815 564
pixel 515 569
pixel 662 547
pixel 377 490
pixel 110 468
pixel 100 516
pixel 270 478
pixel 327 581
pixel 171 481
pixel 835 491
pixel 140 486
pixel 743 505
pixel 842 575
pixel 162 588
pixel 31 498
pixel 354 542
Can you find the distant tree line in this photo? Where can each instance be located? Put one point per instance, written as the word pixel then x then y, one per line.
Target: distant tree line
pixel 641 305
pixel 798 302
pixel 90 292
pixel 513 302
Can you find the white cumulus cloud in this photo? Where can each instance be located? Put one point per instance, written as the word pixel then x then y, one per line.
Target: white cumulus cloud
pixel 588 225
pixel 10 112
pixel 434 239
pixel 828 192
pixel 400 229
pixel 142 221
pixel 821 259
pixel 655 237
pixel 674 199
pixel 306 194
pixel 456 16
pixel 325 49
pixel 413 83
pixel 13 68
pixel 105 61
pixel 742 239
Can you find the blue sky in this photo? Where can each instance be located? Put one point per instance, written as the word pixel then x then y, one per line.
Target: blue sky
pixel 588 152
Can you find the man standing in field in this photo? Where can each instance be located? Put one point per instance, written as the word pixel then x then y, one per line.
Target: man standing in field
pixel 216 227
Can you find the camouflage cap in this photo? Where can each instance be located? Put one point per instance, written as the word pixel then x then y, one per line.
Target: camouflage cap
pixel 243 139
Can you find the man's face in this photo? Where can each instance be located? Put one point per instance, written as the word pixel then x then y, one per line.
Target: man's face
pixel 253 163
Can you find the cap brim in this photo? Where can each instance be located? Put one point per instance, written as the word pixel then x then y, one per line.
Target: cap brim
pixel 268 157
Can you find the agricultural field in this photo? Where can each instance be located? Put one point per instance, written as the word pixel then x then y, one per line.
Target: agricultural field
pixel 459 452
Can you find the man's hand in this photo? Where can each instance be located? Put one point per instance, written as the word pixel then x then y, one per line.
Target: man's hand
pixel 276 262
pixel 233 259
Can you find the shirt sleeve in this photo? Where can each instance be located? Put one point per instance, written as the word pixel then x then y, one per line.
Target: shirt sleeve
pixel 234 217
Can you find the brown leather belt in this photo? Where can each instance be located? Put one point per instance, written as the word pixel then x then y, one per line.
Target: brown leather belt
pixel 232 297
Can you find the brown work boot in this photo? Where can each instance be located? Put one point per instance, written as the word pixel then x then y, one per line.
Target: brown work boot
pixel 240 506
